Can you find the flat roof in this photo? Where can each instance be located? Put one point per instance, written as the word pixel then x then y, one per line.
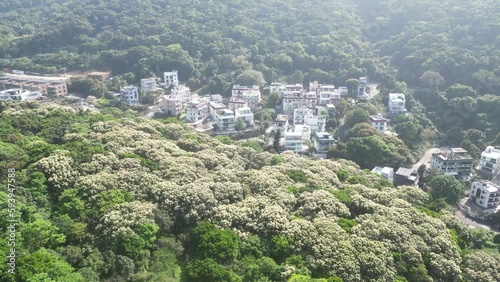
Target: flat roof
pixel 405 171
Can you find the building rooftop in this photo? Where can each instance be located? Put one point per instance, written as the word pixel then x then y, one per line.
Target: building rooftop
pixel 217 105
pixel 282 118
pixel 491 152
pixel 330 106
pixel 454 154
pixel 383 170
pixel 324 136
pixel 490 186
pixel 235 100
pixel 407 172
pixel 395 97
pixel 378 118
pixel 458 150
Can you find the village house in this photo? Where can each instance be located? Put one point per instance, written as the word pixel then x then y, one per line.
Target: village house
pixel 456 162
pixel 130 94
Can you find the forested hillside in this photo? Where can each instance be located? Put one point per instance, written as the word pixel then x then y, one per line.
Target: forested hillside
pixel 458 39
pixel 204 40
pixel 110 197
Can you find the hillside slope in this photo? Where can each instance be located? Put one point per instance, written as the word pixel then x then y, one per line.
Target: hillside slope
pixel 111 197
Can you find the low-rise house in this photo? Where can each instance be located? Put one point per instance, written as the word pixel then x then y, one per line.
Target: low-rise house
pixel 379 123
pixel 486 194
pixel 344 91
pixel 387 173
pixel 489 164
pixel 235 103
pixel 176 102
pixel 406 177
pixel 45 85
pixel 299 115
pixel 171 78
pixel 214 107
pixel 249 94
pixel 293 141
pixel 198 110
pixel 130 94
pixel 292 101
pixel 19 95
pixel 322 142
pixel 316 123
pixel 281 123
pixel 148 84
pixel 362 85
pixel 456 162
pixel 246 115
pixel 215 98
pixel 397 104
pixel 225 120
pixel 277 87
pixel 331 109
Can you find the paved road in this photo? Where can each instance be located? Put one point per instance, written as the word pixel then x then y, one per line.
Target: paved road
pixel 426 158
pixel 471 222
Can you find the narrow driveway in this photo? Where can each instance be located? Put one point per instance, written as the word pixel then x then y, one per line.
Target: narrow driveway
pixel 426 158
pixel 471 222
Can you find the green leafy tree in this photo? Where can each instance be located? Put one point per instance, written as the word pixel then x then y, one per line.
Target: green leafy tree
pixel 447 187
pixel 251 77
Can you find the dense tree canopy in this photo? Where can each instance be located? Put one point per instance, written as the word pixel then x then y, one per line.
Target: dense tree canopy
pixel 143 209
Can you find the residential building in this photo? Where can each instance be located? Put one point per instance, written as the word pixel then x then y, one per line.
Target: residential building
pixel 387 173
pixel 293 141
pixel 171 78
pixel 215 98
pixel 225 120
pixel 214 107
pixel 299 115
pixel 235 103
pixel 362 85
pixel 306 131
pixel 176 102
pixel 316 123
pixel 310 100
pixel 314 86
pixel 456 162
pixel 277 87
pixel 244 113
pixel 148 84
pixel 130 94
pixel 47 86
pixel 292 101
pixel 19 95
pixel 293 88
pixel 397 103
pixel 332 111
pixel 249 94
pixel 406 177
pixel 489 164
pixel 344 91
pixel 197 110
pixel 486 194
pixel 322 141
pixel 379 123
pixel 281 123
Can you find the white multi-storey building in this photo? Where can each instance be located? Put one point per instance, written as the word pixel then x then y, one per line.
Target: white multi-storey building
pixel 397 103
pixel 299 115
pixel 344 91
pixel 249 94
pixel 456 162
pixel 171 78
pixel 176 102
pixel 293 141
pixel 130 94
pixel 379 123
pixel 489 164
pixel 386 172
pixel 291 101
pixel 277 87
pixel 486 194
pixel 197 110
pixel 246 115
pixel 19 95
pixel 148 84
pixel 362 84
pixel 322 142
pixel 281 123
pixel 315 123
pixel 225 120
pixel 214 107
